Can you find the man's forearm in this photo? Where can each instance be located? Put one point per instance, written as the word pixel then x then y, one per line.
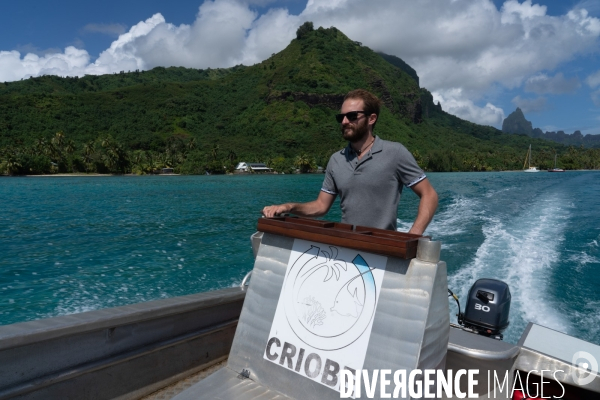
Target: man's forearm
pixel 427 207
pixel 316 208
pixel 310 209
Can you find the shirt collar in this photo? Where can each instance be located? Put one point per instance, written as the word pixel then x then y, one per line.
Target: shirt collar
pixel 377 145
pixel 375 148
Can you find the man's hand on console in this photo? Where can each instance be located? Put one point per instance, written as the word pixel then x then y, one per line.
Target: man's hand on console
pixel 275 210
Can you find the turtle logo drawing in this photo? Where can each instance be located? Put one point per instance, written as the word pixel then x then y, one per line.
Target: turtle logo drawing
pixel 329 302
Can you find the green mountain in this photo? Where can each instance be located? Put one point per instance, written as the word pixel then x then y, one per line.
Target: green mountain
pixel 398 62
pixel 280 111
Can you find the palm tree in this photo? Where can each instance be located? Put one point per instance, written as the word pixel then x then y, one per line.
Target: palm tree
pixel 69 147
pixel 88 154
pixel 49 150
pixel 89 148
pixel 106 141
pixel 155 162
pixel 87 160
pixel 138 159
pixel 214 151
pixel 269 162
pixel 41 145
pixel 232 156
pixel 11 165
pixel 58 139
pixel 303 163
pixel 167 158
pixel 114 157
pixel 110 159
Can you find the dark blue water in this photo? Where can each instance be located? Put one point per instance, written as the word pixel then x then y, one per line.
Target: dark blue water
pixel 81 243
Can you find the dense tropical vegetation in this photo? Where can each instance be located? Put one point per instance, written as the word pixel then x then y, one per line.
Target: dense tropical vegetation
pixel 280 112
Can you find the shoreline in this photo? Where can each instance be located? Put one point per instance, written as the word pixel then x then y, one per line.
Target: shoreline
pixel 67 175
pixel 76 174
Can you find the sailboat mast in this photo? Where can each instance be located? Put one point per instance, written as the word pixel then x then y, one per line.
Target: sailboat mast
pixel 528 157
pixel 528 161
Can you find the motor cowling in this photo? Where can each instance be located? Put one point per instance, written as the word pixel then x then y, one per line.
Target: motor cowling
pixel 488 306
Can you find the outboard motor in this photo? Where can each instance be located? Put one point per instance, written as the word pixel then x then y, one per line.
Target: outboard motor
pixel 487 309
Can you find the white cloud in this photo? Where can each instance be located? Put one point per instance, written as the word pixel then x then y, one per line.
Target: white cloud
pixel 271 33
pixel 585 23
pixel 121 55
pixel 466 45
pixel 542 84
pixel 530 105
pixel 461 49
pixel 215 39
pixel 514 11
pixel 455 103
pixel 593 80
pixel 72 62
pixel 225 33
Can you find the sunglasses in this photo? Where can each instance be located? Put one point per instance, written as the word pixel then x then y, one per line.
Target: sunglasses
pixel 352 116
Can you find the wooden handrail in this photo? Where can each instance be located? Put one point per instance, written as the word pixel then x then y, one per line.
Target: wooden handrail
pixel 373 240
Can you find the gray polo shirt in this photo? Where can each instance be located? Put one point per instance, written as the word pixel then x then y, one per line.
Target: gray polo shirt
pixel 370 188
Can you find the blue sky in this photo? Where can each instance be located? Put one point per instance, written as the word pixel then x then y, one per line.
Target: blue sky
pixel 480 58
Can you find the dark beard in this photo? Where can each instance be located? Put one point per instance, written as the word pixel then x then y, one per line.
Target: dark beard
pixel 358 132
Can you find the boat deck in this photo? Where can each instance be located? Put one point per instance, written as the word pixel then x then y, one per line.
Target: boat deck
pixel 123 377
pixel 174 389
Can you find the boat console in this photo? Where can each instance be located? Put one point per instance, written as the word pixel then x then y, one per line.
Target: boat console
pixel 326 297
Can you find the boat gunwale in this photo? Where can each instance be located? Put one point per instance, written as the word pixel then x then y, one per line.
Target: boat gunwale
pixel 32 332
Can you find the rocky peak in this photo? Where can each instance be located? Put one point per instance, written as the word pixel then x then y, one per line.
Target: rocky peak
pixel 516 123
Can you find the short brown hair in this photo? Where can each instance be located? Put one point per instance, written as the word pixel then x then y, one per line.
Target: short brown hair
pixel 372 103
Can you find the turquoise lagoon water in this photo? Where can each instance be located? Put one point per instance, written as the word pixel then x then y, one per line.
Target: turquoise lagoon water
pixel 73 244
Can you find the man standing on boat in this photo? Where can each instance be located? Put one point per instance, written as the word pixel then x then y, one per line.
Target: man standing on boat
pixel 368 174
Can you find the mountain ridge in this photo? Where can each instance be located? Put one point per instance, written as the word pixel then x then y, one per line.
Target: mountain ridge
pixel 278 111
pixel 516 123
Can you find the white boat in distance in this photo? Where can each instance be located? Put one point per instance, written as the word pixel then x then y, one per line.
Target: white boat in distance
pixel 556 169
pixel 528 162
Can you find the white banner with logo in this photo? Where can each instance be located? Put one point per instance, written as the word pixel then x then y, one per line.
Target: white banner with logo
pixel 325 311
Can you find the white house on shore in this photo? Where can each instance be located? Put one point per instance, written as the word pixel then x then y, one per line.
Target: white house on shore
pixel 252 167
